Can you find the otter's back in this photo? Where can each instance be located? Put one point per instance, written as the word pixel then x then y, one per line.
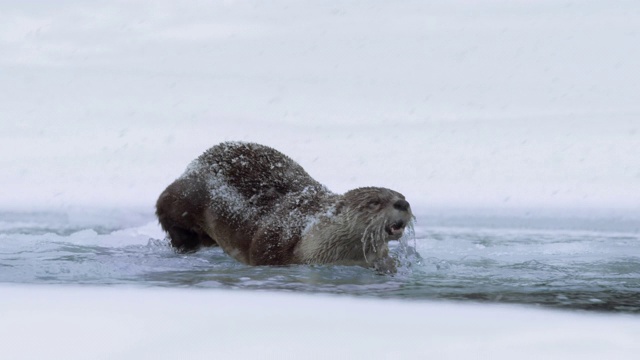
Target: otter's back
pixel 240 176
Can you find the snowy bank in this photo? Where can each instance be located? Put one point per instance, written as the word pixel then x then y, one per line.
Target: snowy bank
pixel 133 323
pixel 464 103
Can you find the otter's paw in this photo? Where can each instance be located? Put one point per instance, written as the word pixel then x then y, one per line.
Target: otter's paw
pixel 385 265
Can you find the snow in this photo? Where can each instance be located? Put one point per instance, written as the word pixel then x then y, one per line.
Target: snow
pixel 464 104
pixel 107 323
pixel 501 105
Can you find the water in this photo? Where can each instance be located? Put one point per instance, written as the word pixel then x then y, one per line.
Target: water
pixel 487 261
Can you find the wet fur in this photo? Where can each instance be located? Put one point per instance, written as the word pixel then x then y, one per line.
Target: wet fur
pixel 262 208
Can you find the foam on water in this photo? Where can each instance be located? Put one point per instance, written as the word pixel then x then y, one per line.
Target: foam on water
pixel 569 269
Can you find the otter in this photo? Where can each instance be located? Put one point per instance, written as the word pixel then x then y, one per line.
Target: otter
pixel 262 208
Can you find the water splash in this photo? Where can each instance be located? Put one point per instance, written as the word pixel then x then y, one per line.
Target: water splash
pixel 406 254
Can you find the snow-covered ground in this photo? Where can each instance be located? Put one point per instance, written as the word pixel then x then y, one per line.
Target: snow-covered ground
pixel 512 107
pixel 117 323
pixel 464 103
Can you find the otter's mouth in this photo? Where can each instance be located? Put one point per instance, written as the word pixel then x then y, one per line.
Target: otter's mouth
pixel 396 229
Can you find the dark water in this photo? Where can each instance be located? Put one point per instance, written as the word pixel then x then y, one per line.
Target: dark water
pixel 482 261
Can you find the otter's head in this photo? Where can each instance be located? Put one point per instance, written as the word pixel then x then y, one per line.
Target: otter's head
pixel 381 210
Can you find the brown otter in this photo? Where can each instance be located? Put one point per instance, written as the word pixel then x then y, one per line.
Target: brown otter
pixel 263 208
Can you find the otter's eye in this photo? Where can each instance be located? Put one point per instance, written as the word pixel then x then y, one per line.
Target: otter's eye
pixel 374 204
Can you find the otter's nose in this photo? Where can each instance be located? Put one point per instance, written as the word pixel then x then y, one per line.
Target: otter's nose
pixel 401 205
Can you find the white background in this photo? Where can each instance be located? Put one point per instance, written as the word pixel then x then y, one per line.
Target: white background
pixel 463 104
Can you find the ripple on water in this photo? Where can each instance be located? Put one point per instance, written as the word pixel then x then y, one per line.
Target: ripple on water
pixel 578 270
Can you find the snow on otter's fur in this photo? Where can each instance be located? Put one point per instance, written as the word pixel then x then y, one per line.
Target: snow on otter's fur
pixel 263 208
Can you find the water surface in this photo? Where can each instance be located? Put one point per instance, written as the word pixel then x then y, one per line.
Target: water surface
pixel 481 261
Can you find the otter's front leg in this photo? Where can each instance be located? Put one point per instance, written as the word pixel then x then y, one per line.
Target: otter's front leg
pixel 385 265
